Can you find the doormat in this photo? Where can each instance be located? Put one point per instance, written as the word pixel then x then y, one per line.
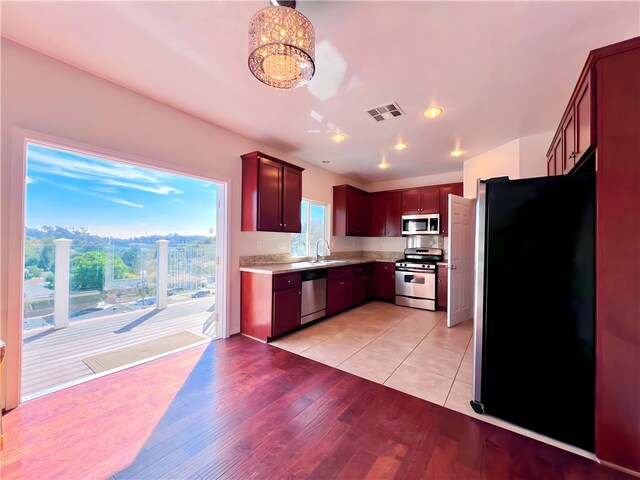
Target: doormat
pixel 141 351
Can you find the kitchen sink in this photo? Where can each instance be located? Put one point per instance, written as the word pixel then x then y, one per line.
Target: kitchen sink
pixel 325 262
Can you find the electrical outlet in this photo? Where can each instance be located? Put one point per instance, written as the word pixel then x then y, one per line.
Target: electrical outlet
pixel 259 244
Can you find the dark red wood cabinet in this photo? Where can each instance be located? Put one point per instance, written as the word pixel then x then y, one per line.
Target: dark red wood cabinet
pixel 602 116
pixel 339 289
pixel 445 190
pixel 362 283
pixel 420 200
pixel 386 214
pixel 577 130
pixel 269 304
pixel 350 211
pixel 286 310
pixel 385 281
pixel 271 194
pixel 442 287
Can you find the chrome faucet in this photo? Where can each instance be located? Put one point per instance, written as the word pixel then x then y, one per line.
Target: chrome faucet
pixel 318 249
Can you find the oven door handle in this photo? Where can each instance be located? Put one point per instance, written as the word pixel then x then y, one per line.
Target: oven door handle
pixel 414 270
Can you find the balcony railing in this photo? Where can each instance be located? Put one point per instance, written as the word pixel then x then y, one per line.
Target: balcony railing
pixel 95 280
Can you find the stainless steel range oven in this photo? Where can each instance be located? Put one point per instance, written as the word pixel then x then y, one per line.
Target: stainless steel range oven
pixel 416 278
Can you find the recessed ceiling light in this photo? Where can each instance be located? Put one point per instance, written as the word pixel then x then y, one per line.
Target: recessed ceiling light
pixel 339 137
pixel 432 112
pixel 383 165
pixel 400 146
pixel 456 153
pixel 326 161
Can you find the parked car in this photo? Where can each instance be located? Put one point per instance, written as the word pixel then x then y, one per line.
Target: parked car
pixel 145 301
pixel 200 293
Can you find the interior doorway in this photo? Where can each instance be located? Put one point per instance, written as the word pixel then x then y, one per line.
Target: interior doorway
pixel 122 264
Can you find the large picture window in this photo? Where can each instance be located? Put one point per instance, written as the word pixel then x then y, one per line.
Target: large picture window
pixel 314 227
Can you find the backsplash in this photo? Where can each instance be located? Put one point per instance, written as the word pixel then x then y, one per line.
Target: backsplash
pixel 253 260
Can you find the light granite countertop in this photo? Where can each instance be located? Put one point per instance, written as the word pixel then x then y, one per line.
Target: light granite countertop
pixel 279 268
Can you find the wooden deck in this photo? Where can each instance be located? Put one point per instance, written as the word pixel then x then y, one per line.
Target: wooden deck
pixel 54 357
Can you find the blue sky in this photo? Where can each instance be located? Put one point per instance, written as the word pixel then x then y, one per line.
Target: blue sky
pixel 114 199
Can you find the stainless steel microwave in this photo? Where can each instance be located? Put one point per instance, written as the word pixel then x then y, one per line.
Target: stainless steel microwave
pixel 426 224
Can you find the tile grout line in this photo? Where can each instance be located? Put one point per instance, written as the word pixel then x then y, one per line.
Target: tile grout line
pixel 458 370
pixel 382 333
pixel 412 350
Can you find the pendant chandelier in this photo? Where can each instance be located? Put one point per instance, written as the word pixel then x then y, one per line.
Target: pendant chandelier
pixel 281 46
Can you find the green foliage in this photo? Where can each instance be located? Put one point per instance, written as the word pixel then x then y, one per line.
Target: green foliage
pixel 50 280
pixel 87 270
pixel 47 255
pixel 31 254
pixel 32 271
pixel 130 259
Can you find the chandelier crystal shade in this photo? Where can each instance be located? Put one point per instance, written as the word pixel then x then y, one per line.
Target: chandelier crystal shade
pixel 281 47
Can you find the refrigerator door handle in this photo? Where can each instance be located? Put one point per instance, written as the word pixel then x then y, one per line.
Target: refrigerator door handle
pixel 478 318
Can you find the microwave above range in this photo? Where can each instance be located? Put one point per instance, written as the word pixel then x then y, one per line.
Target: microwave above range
pixel 426 224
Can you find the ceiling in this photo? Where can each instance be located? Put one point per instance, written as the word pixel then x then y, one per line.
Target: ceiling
pixel 500 70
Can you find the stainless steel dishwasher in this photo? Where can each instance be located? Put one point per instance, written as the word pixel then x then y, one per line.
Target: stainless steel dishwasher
pixel 314 295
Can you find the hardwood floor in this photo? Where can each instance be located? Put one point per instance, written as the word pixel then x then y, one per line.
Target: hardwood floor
pixel 237 408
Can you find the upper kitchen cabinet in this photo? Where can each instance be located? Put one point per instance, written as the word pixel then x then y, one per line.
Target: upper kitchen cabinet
pixel 416 201
pixel 350 211
pixel 271 194
pixel 386 213
pixel 577 129
pixel 445 190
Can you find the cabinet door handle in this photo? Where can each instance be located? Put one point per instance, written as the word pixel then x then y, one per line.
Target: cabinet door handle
pixel 341 283
pixel 280 224
pixel 289 281
pixel 285 224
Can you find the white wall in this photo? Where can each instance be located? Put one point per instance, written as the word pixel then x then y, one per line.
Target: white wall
pixel 437 179
pixel 50 97
pixel 524 157
pixel 533 154
pixel 499 162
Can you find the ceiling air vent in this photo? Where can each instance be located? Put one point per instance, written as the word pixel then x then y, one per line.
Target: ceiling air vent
pixel 385 112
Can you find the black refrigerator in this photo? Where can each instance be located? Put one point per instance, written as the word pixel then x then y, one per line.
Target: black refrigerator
pixel 534 321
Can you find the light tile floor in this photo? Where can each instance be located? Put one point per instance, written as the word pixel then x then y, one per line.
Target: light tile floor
pixel 406 349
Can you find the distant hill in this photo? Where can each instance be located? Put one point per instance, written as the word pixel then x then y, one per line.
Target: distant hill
pixel 83 235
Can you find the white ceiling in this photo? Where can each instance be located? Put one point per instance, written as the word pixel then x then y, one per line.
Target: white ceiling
pixel 500 70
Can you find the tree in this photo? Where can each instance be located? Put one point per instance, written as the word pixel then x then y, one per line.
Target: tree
pixel 32 271
pixel 87 270
pixel 47 255
pixel 49 280
pixel 130 259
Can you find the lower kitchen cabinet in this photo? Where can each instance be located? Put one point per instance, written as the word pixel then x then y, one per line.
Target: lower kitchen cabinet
pixel 339 294
pixel 286 310
pixel 362 283
pixel 385 281
pixel 269 304
pixel 442 287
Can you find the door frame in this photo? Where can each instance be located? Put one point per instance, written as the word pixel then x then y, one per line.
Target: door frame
pixel 16 198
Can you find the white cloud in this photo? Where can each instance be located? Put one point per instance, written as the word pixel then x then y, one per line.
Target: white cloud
pixel 124 202
pixel 106 189
pixel 29 180
pixel 114 174
pixel 120 201
pixel 159 189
